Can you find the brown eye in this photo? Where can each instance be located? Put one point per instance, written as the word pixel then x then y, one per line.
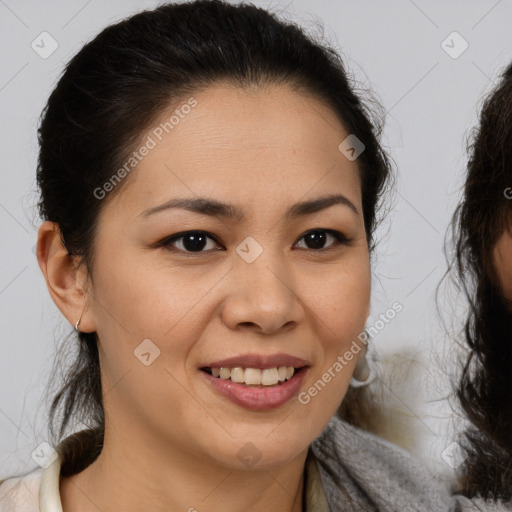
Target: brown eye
pixel 190 241
pixel 317 238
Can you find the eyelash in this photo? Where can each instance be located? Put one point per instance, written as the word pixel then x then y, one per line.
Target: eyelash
pixel 340 238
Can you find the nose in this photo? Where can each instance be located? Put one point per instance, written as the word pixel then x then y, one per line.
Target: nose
pixel 263 297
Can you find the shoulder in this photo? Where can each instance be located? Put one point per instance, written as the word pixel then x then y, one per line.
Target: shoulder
pixel 21 493
pixel 39 489
pixel 363 470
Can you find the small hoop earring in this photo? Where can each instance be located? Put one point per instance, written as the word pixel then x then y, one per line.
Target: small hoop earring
pixel 78 321
pixel 371 365
pixel 354 383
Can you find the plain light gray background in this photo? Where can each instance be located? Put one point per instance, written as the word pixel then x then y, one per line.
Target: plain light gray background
pixel 394 47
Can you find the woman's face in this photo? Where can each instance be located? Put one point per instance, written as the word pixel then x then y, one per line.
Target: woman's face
pixel 254 287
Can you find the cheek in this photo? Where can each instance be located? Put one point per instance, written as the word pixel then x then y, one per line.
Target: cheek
pixel 143 303
pixel 342 299
pixel 137 302
pixel 144 300
pixel 342 308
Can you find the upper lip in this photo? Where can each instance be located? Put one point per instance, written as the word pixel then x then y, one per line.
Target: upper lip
pixel 258 361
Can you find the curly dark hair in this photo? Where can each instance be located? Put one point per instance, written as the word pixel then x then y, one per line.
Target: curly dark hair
pixel 120 82
pixel 483 215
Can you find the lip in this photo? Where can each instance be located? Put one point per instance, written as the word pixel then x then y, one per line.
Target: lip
pixel 262 361
pixel 258 399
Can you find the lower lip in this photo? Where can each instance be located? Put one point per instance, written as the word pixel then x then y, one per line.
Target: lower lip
pixel 258 399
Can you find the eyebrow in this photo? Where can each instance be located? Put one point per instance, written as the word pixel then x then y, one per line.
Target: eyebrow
pixel 214 208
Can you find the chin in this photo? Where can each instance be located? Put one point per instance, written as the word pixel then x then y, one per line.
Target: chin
pixel 259 452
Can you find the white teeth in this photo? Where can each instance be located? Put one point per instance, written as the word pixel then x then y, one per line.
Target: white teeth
pixel 237 375
pixel 255 376
pixel 224 373
pixel 270 377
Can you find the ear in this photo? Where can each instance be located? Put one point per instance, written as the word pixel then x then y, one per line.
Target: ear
pixel 66 282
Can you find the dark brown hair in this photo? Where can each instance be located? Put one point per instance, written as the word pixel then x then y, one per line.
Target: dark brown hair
pixel 485 388
pixel 122 80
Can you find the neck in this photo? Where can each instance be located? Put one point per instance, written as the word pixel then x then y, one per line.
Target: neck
pixel 133 476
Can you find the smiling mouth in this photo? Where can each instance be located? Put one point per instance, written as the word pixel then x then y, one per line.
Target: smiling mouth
pixel 254 377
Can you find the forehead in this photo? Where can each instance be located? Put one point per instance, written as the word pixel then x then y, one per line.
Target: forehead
pixel 246 145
